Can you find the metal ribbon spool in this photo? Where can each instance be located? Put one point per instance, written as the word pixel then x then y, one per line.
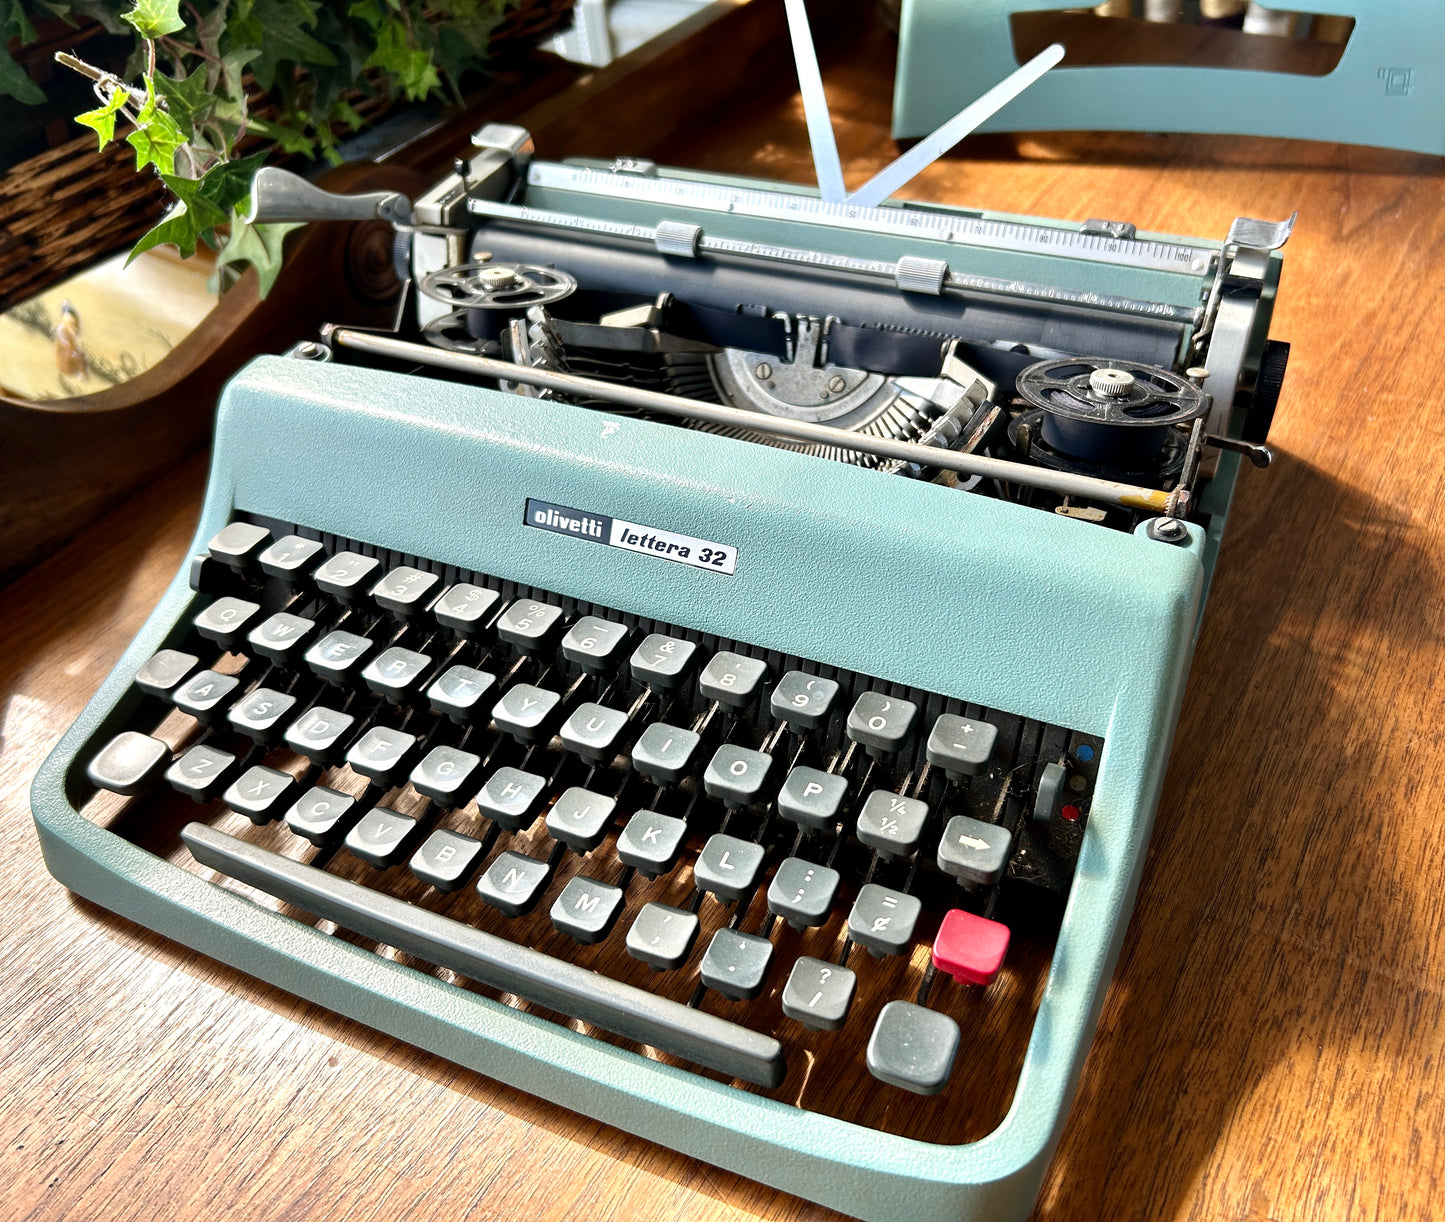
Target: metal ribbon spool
pixel 497 286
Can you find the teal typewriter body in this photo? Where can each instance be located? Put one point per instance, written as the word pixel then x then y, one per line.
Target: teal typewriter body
pixel 394 525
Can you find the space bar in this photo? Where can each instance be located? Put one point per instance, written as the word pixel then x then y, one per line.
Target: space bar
pixel 620 1008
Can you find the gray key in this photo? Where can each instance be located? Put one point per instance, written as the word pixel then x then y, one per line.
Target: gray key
pixel 974 851
pixel 818 993
pixel 529 625
pixel 261 794
pixel 459 692
pixel 727 866
pixel 736 775
pixel 347 575
pixel 587 909
pixel 320 734
pixel 444 775
pixel 892 823
pixel 961 746
pixel 513 883
pixel 129 763
pixel 803 893
pixel 594 644
pixel 736 964
pixel 321 815
pixel 281 637
pixel 650 842
pixel 881 723
pixel 913 1047
pixel 236 545
pixel 1050 792
pixel 381 837
pixel 446 859
pixel 395 672
pixel 201 772
pixel 662 936
pixel 579 818
pixel 526 713
pixel 594 732
pixel 883 919
pixel 164 670
pixel 803 701
pixel 665 753
pixel 510 797
pixel 465 608
pixel 405 591
pixel 291 559
pixel 203 694
pixel 209 576
pixel 259 715
pixel 662 661
pixel 337 656
pixel 811 798
pixel 383 754
pixel 732 678
pixel 225 620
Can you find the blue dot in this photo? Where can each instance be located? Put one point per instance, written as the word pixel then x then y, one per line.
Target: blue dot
pixel 1084 753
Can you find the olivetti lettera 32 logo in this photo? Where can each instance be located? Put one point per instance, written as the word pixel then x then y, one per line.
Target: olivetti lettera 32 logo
pixel 631 536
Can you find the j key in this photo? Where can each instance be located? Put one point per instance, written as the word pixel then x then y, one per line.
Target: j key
pixel 203 694
pixel 526 713
pixel 459 692
pixel 405 591
pixel 970 948
pixel 259 715
pixel 261 794
pixel 804 701
pixel 883 919
pixel 201 772
pixel 594 732
pixel 513 883
pixel 579 818
pixel 395 672
pixel 881 723
pixel 381 837
pixel 320 734
pixel 664 753
pixel 321 815
pixel 465 608
pixel 961 746
pixel 662 936
pixel 165 669
pixel 446 860
pixel 337 656
pixel 347 575
pixel 803 893
pixel 650 842
pixel 236 545
pixel 973 851
pixel 586 910
pixel 818 993
pixel 530 626
pixel 225 620
pixel 129 763
pixel 891 823
pixel 736 775
pixel 383 754
pixel 736 964
pixel 727 866
pixel 445 776
pixel 913 1047
pixel 662 661
pixel 510 798
pixel 732 679
pixel 812 799
pixel 281 637
pixel 291 560
pixel 594 644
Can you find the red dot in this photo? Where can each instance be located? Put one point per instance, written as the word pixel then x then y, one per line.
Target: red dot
pixel 1071 813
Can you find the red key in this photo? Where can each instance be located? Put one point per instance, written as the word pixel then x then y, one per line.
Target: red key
pixel 970 948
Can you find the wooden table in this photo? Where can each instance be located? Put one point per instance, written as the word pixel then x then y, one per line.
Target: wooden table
pixel 1271 1048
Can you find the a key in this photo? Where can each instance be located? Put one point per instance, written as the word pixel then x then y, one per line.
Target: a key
pixel 586 910
pixel 259 715
pixel 405 591
pixel 527 713
pixel 320 734
pixel 970 948
pixel 664 753
pixel 802 893
pixel 465 608
pixel 395 672
pixel 129 764
pixel 662 936
pixel 236 545
pixel 973 851
pixel 811 798
pixel 166 668
pixel 510 798
pixel 201 772
pixel 818 993
pixel 882 919
pixel 913 1047
pixel 881 724
pixel 650 842
pixel 662 661
pixel 347 576
pixel 383 754
pixel 203 694
pixel 803 701
pixel 732 678
pixel 529 625
pixel 261 794
pixel 736 775
pixel 291 559
pixel 594 732
pixel 446 859
pixel 381 837
pixel 594 644
pixel 513 883
pixel 321 815
pixel 579 818
pixel 225 620
pixel 736 964
pixel 337 656
pixel 961 746
pixel 891 823
pixel 281 638
pixel 459 692
pixel 727 866
pixel 444 775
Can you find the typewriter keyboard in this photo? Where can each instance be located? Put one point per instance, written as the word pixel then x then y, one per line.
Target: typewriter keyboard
pixel 804 880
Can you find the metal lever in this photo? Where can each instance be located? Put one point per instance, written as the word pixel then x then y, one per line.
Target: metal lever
pixel 279 195
pixel 1259 455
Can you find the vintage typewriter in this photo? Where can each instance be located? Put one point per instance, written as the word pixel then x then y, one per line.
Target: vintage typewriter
pixel 712 665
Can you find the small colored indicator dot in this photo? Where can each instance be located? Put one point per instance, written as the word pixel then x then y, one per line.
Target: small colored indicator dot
pixel 1084 753
pixel 1071 813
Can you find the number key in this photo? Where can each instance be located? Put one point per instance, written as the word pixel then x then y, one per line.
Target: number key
pixel 594 644
pixel 529 625
pixel 804 701
pixel 881 723
pixel 662 661
pixel 732 678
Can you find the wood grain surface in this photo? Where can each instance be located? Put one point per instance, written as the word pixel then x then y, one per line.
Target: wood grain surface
pixel 1270 1050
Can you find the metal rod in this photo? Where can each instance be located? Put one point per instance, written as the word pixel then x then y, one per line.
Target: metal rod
pixel 815 104
pixel 1062 482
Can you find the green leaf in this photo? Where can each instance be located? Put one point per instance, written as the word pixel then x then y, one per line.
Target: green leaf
pixel 279 29
pixel 258 245
pixel 411 67
pixel 191 216
pixel 102 120
pixel 16 82
pixel 155 18
pixel 187 100
pixel 287 139
pixel 156 137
